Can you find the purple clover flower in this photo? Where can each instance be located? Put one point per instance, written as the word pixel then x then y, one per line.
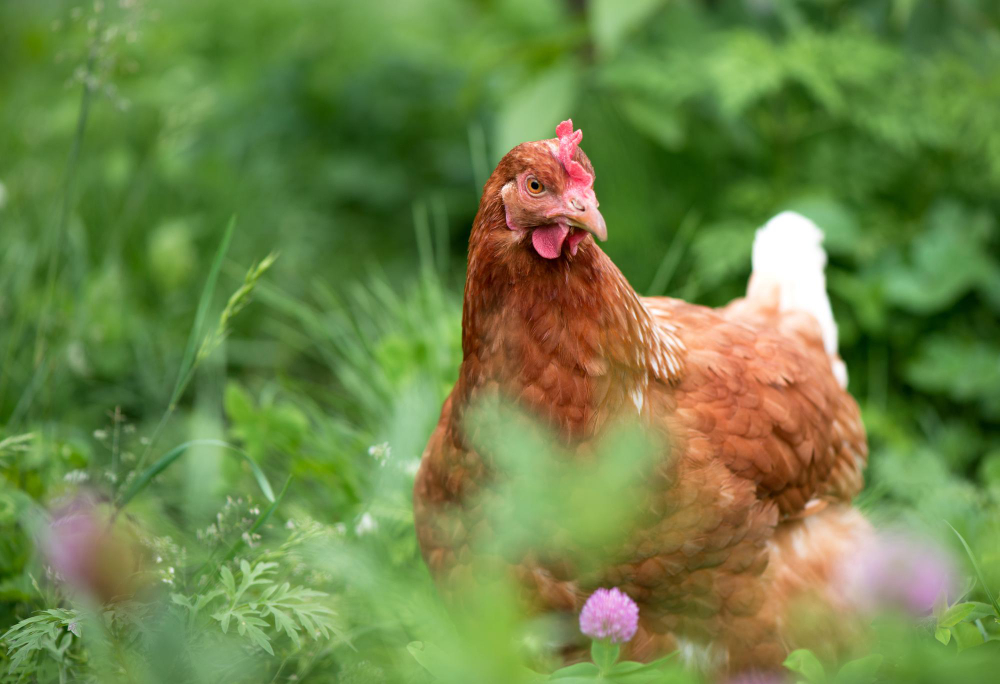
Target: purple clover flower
pixel 87 552
pixel 72 538
pixel 758 678
pixel 897 570
pixel 609 614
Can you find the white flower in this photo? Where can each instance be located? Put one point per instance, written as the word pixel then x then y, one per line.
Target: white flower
pixel 380 452
pixel 366 524
pixel 76 476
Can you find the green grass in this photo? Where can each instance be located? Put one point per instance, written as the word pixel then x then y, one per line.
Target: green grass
pixel 253 391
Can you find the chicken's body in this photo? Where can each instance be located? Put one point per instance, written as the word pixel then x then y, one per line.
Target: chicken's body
pixel 750 508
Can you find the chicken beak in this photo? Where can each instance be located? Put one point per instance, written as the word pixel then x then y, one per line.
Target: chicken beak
pixel 583 213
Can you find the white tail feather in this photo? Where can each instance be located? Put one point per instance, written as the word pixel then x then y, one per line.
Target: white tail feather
pixel 788 255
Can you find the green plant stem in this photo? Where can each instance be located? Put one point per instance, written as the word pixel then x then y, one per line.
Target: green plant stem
pixel 115 449
pixel 604 654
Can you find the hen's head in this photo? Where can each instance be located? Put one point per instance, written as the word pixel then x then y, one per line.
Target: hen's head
pixel 547 191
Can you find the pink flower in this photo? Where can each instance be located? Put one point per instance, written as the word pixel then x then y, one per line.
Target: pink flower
pixel 87 552
pixel 758 678
pixel 896 570
pixel 609 614
pixel 71 538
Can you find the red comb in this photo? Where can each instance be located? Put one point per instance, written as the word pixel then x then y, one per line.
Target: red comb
pixel 568 141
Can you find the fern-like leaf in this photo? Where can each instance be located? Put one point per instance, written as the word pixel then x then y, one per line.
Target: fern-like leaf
pixel 50 631
pixel 258 604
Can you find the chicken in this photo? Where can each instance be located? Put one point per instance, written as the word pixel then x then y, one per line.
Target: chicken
pixel 750 503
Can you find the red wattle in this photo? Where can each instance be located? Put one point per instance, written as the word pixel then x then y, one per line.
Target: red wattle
pixel 575 239
pixel 548 240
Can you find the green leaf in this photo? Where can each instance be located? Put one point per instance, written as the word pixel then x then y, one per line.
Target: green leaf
pixel 979 611
pixel 803 662
pixel 224 617
pixel 250 626
pixel 979 572
pixel 942 268
pixel 943 634
pixel 252 576
pixel 957 613
pixel 534 110
pixel 228 580
pixel 586 670
pixel 612 20
pixel 204 302
pixel 50 631
pixel 431 658
pixel 658 121
pixel 964 369
pixel 967 636
pixel 860 671
pixel 285 623
pixel 722 251
pixel 168 458
pixel 633 668
pixel 604 654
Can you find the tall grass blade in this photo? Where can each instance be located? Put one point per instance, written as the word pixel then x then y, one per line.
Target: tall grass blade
pixel 979 572
pixel 204 302
pixel 440 234
pixel 672 258
pixel 194 340
pixel 425 248
pixel 168 458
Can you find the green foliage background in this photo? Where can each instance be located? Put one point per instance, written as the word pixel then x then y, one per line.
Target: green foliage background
pixel 353 139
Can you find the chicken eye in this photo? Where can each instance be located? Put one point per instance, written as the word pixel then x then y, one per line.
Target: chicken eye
pixel 534 186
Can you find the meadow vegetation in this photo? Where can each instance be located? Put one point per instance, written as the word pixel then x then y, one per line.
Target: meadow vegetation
pixel 232 243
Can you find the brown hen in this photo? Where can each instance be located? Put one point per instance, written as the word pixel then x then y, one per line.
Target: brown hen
pixel 750 505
